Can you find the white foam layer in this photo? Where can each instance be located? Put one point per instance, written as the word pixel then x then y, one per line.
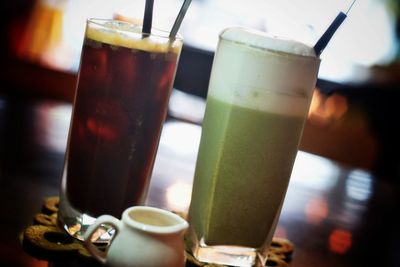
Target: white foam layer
pixel 124 34
pixel 256 74
pixel 266 41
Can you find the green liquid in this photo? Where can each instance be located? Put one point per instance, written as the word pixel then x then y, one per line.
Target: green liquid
pixel 243 169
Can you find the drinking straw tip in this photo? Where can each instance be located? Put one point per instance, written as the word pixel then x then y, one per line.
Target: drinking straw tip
pixel 148 17
pixel 326 37
pixel 179 18
pixel 350 7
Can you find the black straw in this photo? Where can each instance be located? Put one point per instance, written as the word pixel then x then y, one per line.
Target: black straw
pixel 326 37
pixel 148 17
pixel 179 18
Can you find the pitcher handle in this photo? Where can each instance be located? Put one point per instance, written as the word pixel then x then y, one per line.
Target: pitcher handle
pixel 104 219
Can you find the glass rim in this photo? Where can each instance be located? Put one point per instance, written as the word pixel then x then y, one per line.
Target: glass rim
pixel 156 32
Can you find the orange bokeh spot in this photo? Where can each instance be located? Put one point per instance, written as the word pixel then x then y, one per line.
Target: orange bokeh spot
pixel 340 241
pixel 325 109
pixel 316 210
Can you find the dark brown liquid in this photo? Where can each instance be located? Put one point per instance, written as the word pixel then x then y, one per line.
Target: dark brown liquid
pixel 119 109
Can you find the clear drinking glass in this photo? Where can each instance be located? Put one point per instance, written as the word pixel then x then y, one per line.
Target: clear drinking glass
pixel 259 95
pixel 125 80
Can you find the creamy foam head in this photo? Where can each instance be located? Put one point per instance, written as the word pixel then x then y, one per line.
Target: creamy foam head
pixel 266 41
pixel 254 70
pixel 124 34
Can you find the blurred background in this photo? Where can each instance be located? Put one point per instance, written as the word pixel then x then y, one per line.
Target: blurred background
pixel 354 109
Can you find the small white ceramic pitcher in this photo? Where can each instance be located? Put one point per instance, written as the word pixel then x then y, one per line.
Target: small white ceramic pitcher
pixel 144 237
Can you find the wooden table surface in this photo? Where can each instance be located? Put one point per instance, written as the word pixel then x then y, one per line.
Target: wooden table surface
pixel 335 214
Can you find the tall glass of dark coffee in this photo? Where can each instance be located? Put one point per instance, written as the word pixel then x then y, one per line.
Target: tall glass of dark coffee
pixel 124 84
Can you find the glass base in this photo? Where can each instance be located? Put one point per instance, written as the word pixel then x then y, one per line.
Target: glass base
pixel 76 223
pixel 229 255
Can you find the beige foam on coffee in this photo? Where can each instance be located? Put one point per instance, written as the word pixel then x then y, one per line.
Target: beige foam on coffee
pixel 123 34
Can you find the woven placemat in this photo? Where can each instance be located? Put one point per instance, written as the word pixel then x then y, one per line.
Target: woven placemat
pixel 46 241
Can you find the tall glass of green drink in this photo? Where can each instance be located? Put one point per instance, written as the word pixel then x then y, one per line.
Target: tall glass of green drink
pixel 259 95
